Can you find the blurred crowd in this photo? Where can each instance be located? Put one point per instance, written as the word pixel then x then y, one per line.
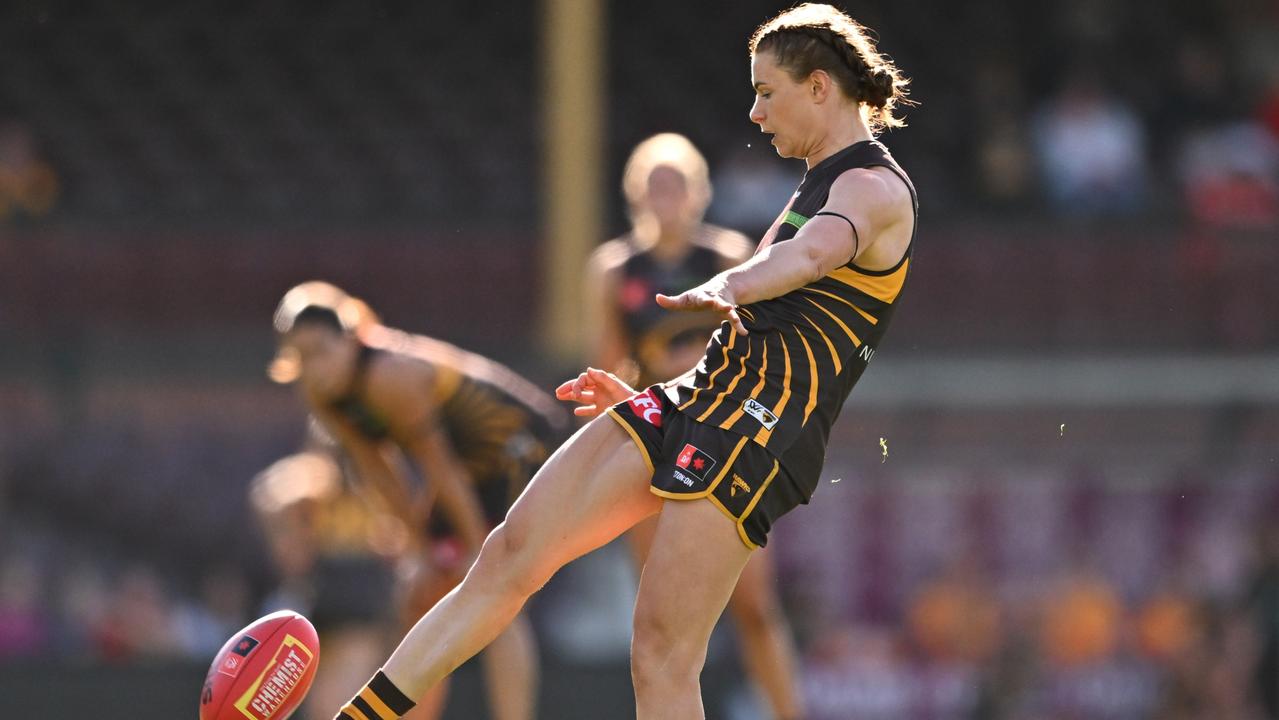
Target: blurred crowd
pixel 1084 152
pixel 1043 601
pixel 84 608
pixel 1091 111
pixel 124 533
pixel 1087 111
pixel 28 184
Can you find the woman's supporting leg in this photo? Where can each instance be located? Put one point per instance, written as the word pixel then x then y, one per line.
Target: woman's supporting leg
pixel 692 568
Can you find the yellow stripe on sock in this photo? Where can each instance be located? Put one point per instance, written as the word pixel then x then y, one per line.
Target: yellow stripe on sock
pixel 378 706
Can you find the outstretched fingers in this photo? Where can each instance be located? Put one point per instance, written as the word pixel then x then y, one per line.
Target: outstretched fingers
pixel 594 390
pixel 735 320
pixel 698 299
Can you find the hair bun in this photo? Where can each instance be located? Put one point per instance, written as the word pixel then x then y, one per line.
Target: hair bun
pixel 879 88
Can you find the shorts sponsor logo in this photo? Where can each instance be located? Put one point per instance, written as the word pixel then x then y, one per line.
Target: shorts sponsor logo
pixel 695 461
pixel 759 412
pixel 738 484
pixel 686 480
pixel 235 659
pixel 646 406
pixel 277 682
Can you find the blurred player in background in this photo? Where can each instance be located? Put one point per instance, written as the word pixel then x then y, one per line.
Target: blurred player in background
pixel 334 551
pixel 669 248
pixel 747 429
pixel 475 430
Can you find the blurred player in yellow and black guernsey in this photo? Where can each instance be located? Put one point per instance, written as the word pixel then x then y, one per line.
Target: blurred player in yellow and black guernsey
pixel 334 550
pixel 475 430
pixel 671 248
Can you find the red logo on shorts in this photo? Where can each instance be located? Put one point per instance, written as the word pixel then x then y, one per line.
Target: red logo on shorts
pixel 646 406
pixel 695 461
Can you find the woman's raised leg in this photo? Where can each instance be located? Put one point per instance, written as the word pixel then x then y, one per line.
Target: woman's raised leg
pixel 592 489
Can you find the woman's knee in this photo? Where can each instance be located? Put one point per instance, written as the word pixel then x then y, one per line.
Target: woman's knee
pixel 660 651
pixel 510 557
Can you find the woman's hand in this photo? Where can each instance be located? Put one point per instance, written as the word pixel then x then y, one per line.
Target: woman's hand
pixel 712 295
pixel 595 390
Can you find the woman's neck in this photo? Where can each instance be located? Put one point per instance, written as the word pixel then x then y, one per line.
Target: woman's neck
pixel 847 129
pixel 667 243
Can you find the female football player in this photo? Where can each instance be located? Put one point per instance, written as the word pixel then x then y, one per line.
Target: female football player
pixel 475 430
pixel 724 450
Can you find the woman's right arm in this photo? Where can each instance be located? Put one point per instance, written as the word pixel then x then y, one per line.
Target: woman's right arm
pixel 375 470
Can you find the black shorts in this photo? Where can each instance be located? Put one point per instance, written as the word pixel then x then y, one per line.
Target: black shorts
pixel 691 460
pixel 349 590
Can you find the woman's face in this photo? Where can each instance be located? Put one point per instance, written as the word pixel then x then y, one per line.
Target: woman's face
pixel 668 197
pixel 326 359
pixel 783 108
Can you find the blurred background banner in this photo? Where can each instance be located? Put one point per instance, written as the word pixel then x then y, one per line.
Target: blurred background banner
pixel 1055 494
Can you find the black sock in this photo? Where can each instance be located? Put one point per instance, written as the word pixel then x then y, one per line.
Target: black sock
pixel 379 700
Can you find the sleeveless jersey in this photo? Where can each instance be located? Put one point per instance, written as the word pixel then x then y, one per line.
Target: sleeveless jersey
pixel 497 422
pixel 785 382
pixel 651 329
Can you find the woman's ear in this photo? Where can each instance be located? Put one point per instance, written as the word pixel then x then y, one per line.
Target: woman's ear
pixel 819 84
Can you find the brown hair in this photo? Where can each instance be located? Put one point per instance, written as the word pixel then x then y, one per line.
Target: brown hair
pixel 815 36
pixel 321 303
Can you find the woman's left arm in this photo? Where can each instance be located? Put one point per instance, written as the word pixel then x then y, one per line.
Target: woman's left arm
pixel 860 203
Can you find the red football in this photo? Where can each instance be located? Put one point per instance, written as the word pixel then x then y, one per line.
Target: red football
pixel 263 671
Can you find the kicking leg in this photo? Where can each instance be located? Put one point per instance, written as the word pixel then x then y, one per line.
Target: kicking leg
pixel 591 490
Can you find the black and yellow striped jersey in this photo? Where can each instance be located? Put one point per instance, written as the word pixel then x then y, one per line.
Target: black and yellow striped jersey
pixel 784 383
pixel 496 420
